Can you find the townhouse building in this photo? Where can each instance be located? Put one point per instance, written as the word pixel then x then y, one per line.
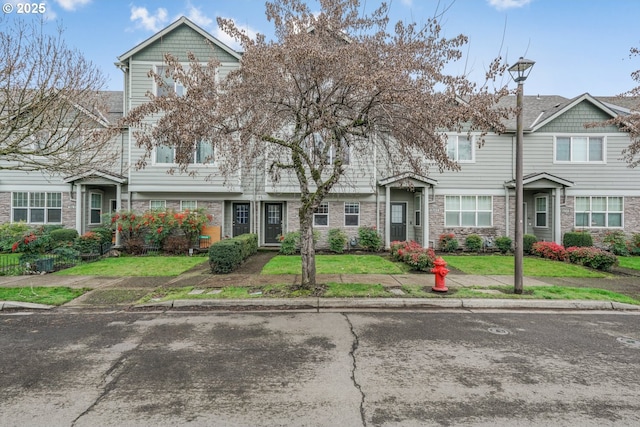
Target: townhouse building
pixel 574 179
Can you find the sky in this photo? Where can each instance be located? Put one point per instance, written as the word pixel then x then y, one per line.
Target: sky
pixel 578 45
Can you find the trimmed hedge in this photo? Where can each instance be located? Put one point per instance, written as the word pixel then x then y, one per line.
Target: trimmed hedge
pixel 527 242
pixel 63 235
pixel 227 255
pixel 578 239
pixel 592 257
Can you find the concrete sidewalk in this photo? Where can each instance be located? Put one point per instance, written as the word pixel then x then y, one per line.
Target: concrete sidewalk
pixel 139 286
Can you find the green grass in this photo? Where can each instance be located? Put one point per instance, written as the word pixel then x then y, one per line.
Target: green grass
pixel 49 296
pixel 359 290
pixel 503 265
pixel 632 262
pixel 335 264
pixel 136 266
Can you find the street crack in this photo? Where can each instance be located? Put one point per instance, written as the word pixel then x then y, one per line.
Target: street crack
pixel 354 347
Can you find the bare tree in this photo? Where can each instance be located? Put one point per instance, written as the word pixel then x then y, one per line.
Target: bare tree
pixel 49 103
pixel 331 83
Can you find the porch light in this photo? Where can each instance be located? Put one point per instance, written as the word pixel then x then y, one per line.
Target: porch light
pixel 521 69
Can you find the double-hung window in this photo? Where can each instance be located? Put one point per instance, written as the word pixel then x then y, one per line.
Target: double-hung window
pixel 36 207
pixel 606 212
pixel 468 211
pixel 417 207
pixel 190 205
pixel 352 214
pixel 321 215
pixel 202 153
pixel 579 149
pixel 542 211
pixel 460 148
pixel 169 84
pixel 96 208
pixel 156 205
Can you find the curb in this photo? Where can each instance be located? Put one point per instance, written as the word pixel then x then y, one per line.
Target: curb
pixel 4 305
pixel 391 303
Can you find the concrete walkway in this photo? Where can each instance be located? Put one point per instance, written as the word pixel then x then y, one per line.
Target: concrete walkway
pixel 136 287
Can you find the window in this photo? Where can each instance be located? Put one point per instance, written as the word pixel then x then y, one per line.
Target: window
pixel 417 206
pixel 155 205
pixel 37 208
pixel 316 151
pixel 599 211
pixel 170 84
pixel 96 208
pixel 190 205
pixel 202 154
pixel 542 210
pixel 468 211
pixel 321 215
pixel 460 148
pixel 352 214
pixel 579 149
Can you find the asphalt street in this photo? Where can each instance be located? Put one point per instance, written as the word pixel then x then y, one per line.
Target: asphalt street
pixel 422 368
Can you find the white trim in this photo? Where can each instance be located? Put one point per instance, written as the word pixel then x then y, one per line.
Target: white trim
pixel 575 162
pixel 327 214
pixel 605 212
pixel 472 140
pixel 460 211
pixel 344 210
pixel 546 211
pixel 497 191
pixel 91 209
pixel 188 200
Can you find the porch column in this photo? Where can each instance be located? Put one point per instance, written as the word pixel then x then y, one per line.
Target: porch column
pixel 557 220
pixel 118 208
pixel 387 218
pixel 425 217
pixel 79 208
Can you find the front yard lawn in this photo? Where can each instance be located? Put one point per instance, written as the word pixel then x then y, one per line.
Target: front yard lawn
pixel 632 262
pixel 49 296
pixel 335 264
pixel 136 266
pixel 500 265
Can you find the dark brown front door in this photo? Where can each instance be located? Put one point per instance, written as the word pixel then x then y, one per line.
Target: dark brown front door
pixel 272 222
pixel 241 218
pixel 398 221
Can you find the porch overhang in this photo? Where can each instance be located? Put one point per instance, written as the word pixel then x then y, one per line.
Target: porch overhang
pixel 407 180
pixel 541 180
pixel 96 177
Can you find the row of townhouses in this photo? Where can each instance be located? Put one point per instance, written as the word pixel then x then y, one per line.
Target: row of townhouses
pixel 574 176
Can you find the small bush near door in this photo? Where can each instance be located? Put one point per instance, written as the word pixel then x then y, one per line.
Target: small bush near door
pixel 369 239
pixel 473 243
pixel 527 242
pixel 448 242
pixel 504 244
pixel 337 240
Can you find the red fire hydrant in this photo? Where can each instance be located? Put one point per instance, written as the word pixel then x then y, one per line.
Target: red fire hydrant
pixel 440 270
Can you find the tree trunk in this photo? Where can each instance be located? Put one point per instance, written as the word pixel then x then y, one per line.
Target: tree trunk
pixel 307 250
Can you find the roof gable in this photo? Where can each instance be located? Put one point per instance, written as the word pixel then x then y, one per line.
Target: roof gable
pixel 167 32
pixel 601 111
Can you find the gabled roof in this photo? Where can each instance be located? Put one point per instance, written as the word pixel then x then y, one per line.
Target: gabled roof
pixel 119 179
pixel 538 176
pixel 561 109
pixel 407 176
pixel 162 33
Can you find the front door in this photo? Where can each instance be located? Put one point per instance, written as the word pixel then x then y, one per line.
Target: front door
pixel 272 222
pixel 398 227
pixel 241 219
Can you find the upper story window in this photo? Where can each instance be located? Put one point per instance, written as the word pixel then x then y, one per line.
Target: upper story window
pixel 599 211
pixel 169 83
pixel 579 149
pixel 36 207
pixel 468 211
pixel 317 148
pixel 321 215
pixel 203 153
pixel 460 148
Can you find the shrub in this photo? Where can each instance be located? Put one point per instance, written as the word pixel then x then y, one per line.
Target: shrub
pixel 549 250
pixel 616 242
pixel 634 244
pixel 176 245
pixel 63 236
pixel 448 242
pixel 105 233
pixel 527 243
pixel 32 243
pixel 592 257
pixel 473 243
pixel 337 240
pixel 10 233
pixel 226 255
pixel 289 243
pixel 414 255
pixel 369 239
pixel 577 238
pixel 504 244
pixel 88 243
pixel 134 246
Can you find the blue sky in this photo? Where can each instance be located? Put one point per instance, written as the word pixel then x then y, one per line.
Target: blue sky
pixel 578 45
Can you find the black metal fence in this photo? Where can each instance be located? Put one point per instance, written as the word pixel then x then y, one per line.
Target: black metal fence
pixel 11 265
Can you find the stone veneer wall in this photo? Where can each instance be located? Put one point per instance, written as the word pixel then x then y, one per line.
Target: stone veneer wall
pixel 437 227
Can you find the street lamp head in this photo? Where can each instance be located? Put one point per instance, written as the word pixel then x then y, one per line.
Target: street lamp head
pixel 521 69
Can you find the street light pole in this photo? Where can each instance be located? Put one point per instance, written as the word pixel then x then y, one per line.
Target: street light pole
pixel 519 72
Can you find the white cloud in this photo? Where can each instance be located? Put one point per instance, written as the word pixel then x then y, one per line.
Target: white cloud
pixel 508 4
pixel 224 38
pixel 147 21
pixel 407 3
pixel 196 15
pixel 72 4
